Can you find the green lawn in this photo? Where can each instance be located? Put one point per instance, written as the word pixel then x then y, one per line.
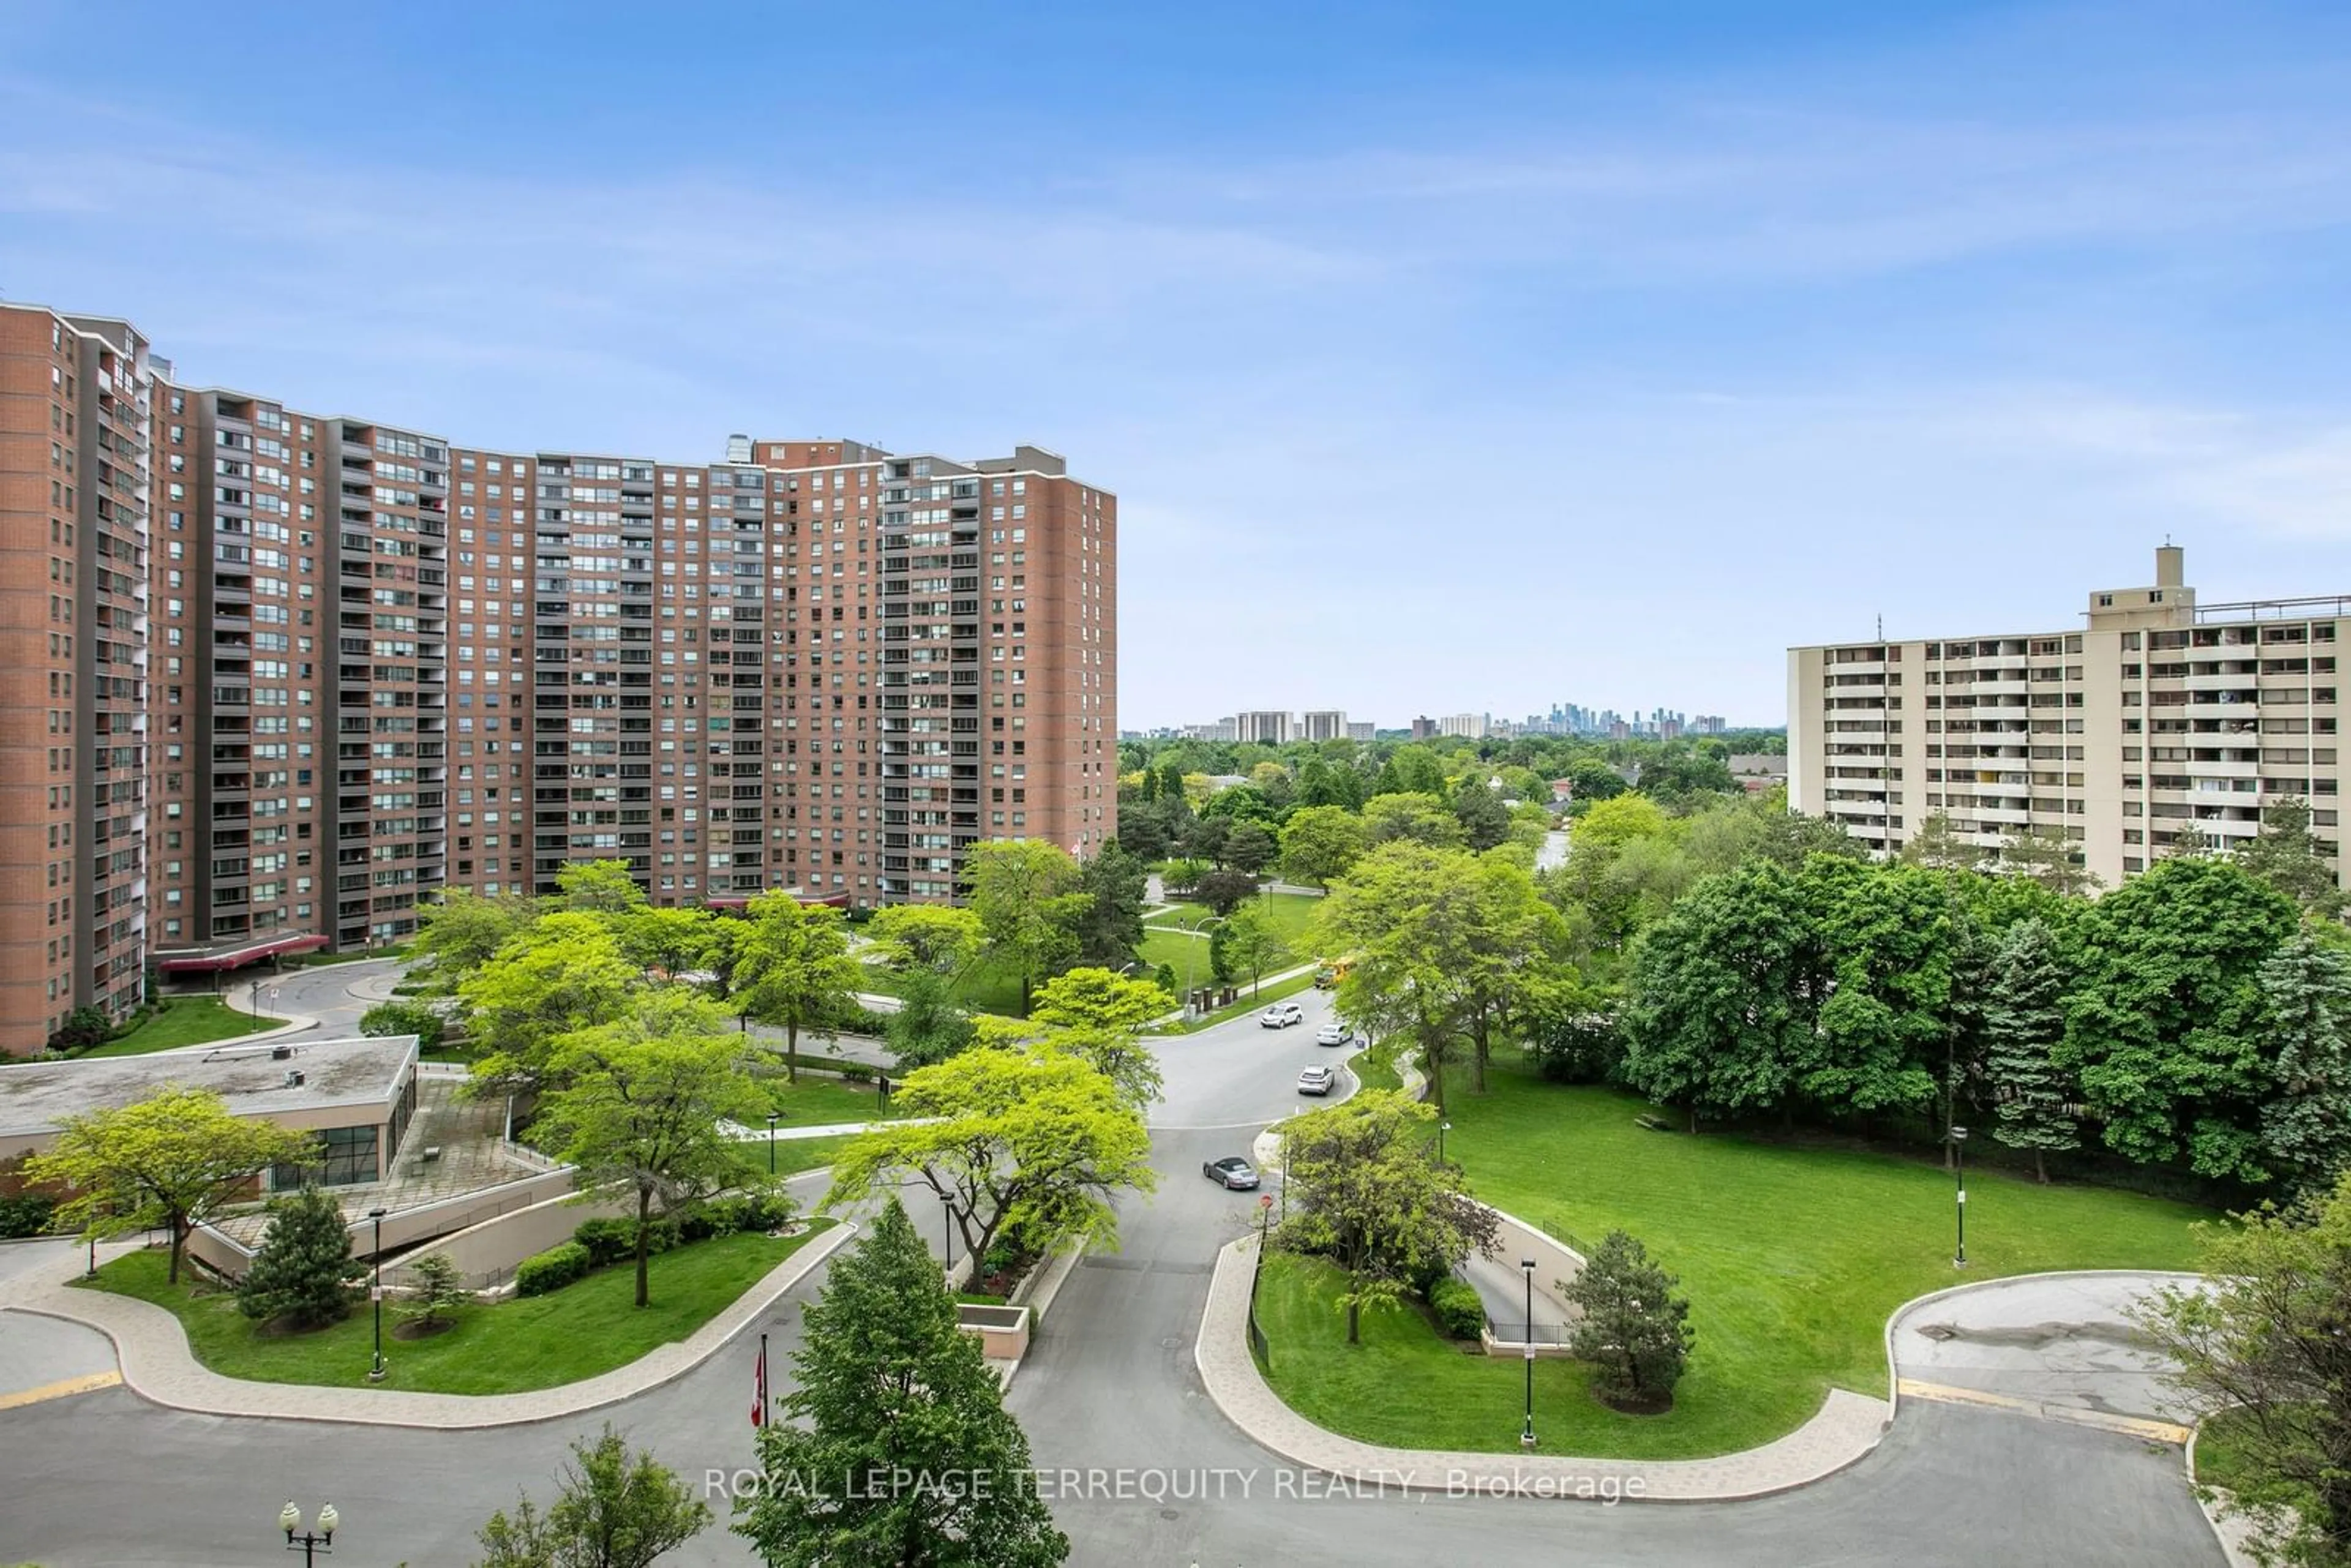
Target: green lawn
pixel 816 1102
pixel 793 1155
pixel 1792 1257
pixel 983 988
pixel 507 1347
pixel 189 1020
pixel 1291 912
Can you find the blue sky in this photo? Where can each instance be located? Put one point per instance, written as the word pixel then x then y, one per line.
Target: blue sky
pixel 1462 357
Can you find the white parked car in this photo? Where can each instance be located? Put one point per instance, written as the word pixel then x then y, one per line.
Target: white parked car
pixel 1333 1032
pixel 1281 1015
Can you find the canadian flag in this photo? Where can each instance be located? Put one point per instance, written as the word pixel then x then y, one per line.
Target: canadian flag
pixel 760 1387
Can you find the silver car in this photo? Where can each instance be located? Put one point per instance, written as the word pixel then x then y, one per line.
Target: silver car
pixel 1232 1173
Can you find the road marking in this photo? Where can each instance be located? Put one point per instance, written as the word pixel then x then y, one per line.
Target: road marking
pixel 2129 1426
pixel 60 1390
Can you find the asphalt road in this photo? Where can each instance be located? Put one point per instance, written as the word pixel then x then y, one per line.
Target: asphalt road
pixel 104 1479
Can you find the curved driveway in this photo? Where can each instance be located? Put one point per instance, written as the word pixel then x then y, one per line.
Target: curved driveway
pixel 103 1479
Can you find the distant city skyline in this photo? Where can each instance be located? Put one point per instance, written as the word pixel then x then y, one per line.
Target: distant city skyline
pixel 1277 726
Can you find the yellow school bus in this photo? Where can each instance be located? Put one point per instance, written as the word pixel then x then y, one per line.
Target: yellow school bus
pixel 1328 976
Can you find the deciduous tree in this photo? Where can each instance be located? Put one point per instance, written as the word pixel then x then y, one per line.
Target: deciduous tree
pixel 172 1160
pixel 1022 1133
pixel 642 1108
pixel 1253 946
pixel 597 887
pixel 667 941
pixel 896 1445
pixel 1319 842
pixel 562 973
pixel 2163 1025
pixel 1366 1194
pixel 2285 854
pixel 793 968
pixel 613 1509
pixel 457 931
pixel 1422 818
pixel 928 935
pixel 1029 896
pixel 2260 1337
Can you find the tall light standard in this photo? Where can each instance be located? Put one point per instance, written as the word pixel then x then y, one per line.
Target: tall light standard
pixel 1960 1175
pixel 947 1225
pixel 1443 1127
pixel 321 1544
pixel 1526 1434
pixel 376 1374
pixel 773 1117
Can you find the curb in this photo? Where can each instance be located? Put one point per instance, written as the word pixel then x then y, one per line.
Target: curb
pixel 456 1411
pixel 1230 1375
pixel 2232 1537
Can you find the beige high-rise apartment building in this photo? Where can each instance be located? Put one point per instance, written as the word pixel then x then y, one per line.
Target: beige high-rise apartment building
pixel 380 664
pixel 2155 717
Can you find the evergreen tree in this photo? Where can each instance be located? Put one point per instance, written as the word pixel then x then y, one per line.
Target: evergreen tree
pixel 440 1291
pixel 304 1271
pixel 1635 1331
pixel 2024 1021
pixel 890 1388
pixel 2306 1125
pixel 1110 929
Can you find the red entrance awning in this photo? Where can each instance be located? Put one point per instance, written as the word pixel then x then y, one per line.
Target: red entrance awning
pixel 213 960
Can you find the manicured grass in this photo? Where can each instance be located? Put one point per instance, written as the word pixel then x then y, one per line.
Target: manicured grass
pixel 983 988
pixel 793 1155
pixel 1406 1386
pixel 1792 1257
pixel 816 1102
pixel 1375 1067
pixel 2218 1462
pixel 189 1020
pixel 1291 912
pixel 507 1347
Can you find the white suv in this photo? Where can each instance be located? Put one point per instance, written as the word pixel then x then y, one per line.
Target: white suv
pixel 1281 1015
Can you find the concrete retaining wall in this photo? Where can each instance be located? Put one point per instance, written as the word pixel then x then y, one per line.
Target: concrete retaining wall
pixel 486 1253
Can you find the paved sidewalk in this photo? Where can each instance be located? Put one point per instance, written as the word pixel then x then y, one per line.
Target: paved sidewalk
pixel 157 1366
pixel 1847 1427
pixel 742 1134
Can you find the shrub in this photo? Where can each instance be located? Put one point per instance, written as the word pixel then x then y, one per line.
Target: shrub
pixel 856 1073
pixel 607 1240
pixel 304 1271
pixel 420 1018
pixel 84 1028
pixel 1459 1311
pixel 767 1208
pixel 551 1270
pixel 26 1214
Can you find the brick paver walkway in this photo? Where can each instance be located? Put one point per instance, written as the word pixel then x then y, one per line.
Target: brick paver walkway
pixel 157 1366
pixel 1847 1426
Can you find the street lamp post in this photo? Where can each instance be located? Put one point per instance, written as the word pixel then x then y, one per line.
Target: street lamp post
pixel 773 1117
pixel 310 1545
pixel 947 1225
pixel 1527 1432
pixel 376 1374
pixel 1960 1175
pixel 1443 1127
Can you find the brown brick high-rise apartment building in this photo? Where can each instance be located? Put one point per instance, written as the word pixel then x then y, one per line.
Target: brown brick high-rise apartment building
pixel 380 664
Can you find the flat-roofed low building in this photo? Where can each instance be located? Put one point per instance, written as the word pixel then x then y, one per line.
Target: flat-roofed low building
pixel 357 1095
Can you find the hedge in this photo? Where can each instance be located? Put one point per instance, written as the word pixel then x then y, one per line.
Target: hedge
pixel 1459 1312
pixel 551 1270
